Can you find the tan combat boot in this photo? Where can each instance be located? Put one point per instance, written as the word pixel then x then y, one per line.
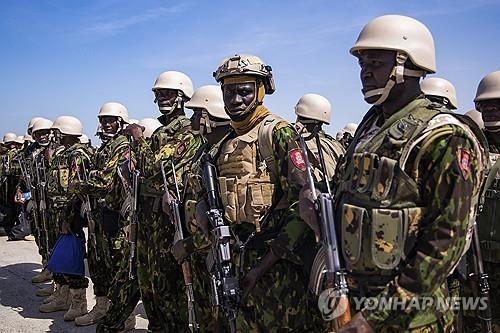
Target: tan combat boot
pixel 129 323
pixel 43 276
pixel 78 305
pixel 44 292
pixel 54 295
pixel 60 302
pixel 98 311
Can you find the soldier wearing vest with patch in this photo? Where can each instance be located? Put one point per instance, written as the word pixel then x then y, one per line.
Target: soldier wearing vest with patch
pixel 64 207
pixel 312 112
pixel 159 276
pixel 407 188
pixel 488 220
pixel 260 170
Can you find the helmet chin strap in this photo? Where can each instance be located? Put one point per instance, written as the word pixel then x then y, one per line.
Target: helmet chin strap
pixel 206 125
pixel 396 77
pixel 492 126
pixel 176 105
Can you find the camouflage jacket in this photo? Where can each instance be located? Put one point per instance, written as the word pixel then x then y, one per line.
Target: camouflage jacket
pixel 174 143
pixel 405 193
pixel 104 179
pixel 66 166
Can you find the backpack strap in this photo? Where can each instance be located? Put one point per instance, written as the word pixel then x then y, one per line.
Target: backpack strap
pixel 265 141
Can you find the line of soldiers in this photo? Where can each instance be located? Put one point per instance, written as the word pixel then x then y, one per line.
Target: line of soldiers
pixel 214 221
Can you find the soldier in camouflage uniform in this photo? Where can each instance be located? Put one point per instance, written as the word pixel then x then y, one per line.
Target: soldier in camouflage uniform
pixel 210 121
pixel 11 173
pixel 41 133
pixel 407 188
pixel 261 169
pixel 69 160
pixel 440 92
pixel 312 112
pixel 488 221
pixel 159 278
pixel 107 244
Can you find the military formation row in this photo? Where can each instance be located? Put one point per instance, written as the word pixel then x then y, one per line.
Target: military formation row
pixel 235 220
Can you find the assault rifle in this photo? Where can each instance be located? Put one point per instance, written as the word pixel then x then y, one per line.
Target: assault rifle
pixel 327 269
pixel 481 278
pixel 133 215
pixel 87 208
pixel 41 187
pixel 26 174
pixel 187 271
pixel 225 288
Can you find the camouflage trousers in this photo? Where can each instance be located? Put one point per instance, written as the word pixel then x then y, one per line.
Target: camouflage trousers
pixel 123 293
pixel 105 255
pixel 160 279
pixel 471 321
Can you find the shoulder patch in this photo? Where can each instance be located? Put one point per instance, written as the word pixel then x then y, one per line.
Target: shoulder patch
pixel 297 158
pixel 180 149
pixel 464 161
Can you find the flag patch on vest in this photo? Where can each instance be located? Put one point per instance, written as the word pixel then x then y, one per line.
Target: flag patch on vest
pixel 181 148
pixel 464 161
pixel 297 158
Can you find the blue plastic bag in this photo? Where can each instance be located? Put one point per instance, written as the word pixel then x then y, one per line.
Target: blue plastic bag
pixel 67 256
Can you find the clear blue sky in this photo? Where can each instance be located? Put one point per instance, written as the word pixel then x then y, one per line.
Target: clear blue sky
pixel 69 57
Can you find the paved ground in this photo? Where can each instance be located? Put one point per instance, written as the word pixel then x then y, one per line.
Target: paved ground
pixel 19 261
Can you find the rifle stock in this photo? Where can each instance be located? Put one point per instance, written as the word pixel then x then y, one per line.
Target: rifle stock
pixel 187 273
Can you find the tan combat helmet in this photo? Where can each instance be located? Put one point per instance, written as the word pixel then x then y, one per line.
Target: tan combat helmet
pixel 28 138
pixel 68 125
pixel 19 139
pixel 175 81
pixel 150 126
pixel 488 89
pixel 409 38
pixel 349 128
pixel 42 124
pixel 114 109
pixel 209 98
pixel 247 65
pixel 31 123
pixel 476 116
pixel 9 137
pixel 439 87
pixel 314 107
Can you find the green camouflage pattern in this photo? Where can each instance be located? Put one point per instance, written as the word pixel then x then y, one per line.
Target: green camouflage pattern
pixel 160 277
pixel 434 197
pixel 489 227
pixel 64 206
pixel 105 187
pixel 280 300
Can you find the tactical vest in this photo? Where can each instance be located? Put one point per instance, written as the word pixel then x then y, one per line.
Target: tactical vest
pixel 378 199
pixel 107 150
pixel 60 171
pixel 247 174
pixel 488 220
